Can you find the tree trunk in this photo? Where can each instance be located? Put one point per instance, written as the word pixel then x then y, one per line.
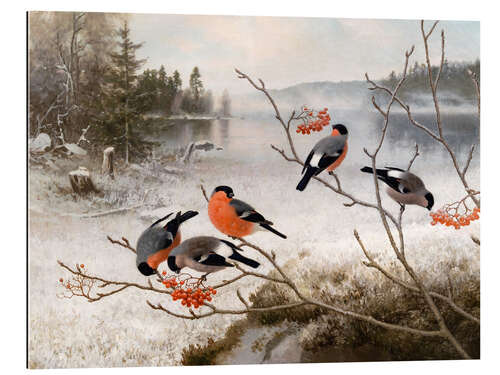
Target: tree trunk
pixel 107 162
pixel 126 132
pixel 81 182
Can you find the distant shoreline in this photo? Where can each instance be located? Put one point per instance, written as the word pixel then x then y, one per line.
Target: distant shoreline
pixel 190 117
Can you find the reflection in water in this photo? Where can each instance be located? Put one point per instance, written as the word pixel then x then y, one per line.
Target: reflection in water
pixel 248 140
pixel 223 126
pixel 460 130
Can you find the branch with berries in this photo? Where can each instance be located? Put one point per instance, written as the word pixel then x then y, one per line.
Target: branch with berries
pixel 456 214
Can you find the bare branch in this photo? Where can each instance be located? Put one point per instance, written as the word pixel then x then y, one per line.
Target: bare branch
pixel 469 158
pixel 475 80
pixel 204 192
pixel 412 160
pixel 124 243
pixel 242 299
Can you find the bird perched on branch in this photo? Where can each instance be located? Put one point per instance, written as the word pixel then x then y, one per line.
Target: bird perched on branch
pixel 156 242
pixel 404 187
pixel 327 154
pixel 234 217
pixel 206 254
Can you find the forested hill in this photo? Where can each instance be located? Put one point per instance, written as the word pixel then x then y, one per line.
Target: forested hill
pixel 456 88
pixel 454 80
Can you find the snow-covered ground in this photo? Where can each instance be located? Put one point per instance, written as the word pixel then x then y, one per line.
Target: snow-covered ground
pixel 122 330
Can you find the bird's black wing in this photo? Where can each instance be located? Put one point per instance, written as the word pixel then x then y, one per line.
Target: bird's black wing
pixel 212 259
pixel 247 212
pixel 327 160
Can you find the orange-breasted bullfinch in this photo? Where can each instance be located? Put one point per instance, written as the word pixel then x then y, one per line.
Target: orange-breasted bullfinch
pixel 206 254
pixel 156 242
pixel 404 187
pixel 234 217
pixel 327 154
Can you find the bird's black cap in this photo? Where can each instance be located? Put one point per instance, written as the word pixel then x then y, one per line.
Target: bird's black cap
pixel 430 201
pixel 145 269
pixel 341 128
pixel 226 189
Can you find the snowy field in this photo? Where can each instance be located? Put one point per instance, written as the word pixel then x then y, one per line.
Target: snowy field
pixel 122 330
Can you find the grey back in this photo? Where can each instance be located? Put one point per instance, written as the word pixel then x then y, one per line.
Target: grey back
pixel 150 241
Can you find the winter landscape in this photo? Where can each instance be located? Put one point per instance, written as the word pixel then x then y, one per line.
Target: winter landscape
pixel 357 279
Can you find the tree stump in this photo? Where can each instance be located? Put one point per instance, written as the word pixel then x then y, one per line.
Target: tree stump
pixel 81 182
pixel 107 162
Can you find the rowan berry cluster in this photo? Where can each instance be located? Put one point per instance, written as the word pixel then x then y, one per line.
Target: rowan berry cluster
pixel 313 121
pixel 189 290
pixel 196 297
pixel 456 220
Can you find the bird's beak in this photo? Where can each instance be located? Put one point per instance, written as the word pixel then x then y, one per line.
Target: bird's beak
pixel 230 195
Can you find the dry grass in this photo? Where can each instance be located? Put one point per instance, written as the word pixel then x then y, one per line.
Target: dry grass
pixel 321 331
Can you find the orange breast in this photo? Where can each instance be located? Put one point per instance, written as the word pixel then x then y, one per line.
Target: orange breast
pixel 339 160
pixel 158 257
pixel 224 218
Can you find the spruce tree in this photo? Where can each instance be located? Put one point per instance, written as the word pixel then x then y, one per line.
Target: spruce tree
pixel 196 87
pixel 122 79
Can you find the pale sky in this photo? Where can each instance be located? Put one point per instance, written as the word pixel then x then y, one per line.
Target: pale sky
pixel 287 51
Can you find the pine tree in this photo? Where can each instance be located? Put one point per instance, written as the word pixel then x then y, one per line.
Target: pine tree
pixel 177 81
pixel 122 79
pixel 163 97
pixel 196 87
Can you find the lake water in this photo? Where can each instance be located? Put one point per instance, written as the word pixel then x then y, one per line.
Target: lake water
pixel 248 140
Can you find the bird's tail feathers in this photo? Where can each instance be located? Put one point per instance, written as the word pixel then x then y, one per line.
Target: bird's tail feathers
pixel 173 224
pixel 271 229
pixel 240 258
pixel 310 172
pixel 187 215
pixel 381 173
pixel 162 219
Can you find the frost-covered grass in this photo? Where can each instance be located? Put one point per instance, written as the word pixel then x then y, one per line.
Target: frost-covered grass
pixel 122 330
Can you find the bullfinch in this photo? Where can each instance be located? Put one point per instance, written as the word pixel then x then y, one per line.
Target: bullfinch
pixel 156 242
pixel 234 217
pixel 206 254
pixel 404 187
pixel 327 154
